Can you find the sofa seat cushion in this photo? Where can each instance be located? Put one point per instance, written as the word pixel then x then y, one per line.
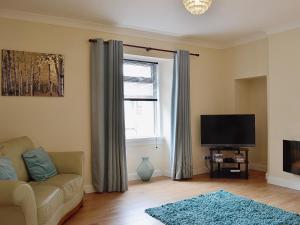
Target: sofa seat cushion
pixel 70 184
pixel 48 199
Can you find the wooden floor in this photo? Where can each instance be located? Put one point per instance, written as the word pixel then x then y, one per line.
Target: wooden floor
pixel 128 208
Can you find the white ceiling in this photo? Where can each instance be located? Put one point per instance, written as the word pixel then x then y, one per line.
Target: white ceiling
pixel 227 21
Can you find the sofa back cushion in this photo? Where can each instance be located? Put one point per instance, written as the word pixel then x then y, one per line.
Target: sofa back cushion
pixel 13 149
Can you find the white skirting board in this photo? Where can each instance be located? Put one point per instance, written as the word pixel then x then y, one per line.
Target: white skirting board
pixel 131 176
pixel 283 182
pixel 157 173
pixel 258 167
pixel 135 176
pixel 271 179
pixel 88 188
pixel 198 171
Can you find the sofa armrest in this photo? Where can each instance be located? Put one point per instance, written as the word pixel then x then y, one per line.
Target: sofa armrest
pixel 17 203
pixel 68 162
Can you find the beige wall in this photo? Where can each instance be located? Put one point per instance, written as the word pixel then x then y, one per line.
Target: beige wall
pixel 63 124
pixel 248 60
pixel 244 61
pixel 277 57
pixel 247 69
pixel 284 105
pixel 251 97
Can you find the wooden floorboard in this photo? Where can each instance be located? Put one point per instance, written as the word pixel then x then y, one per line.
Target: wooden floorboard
pixel 128 208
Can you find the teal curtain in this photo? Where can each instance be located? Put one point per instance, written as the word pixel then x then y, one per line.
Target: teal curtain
pixel 181 146
pixel 109 169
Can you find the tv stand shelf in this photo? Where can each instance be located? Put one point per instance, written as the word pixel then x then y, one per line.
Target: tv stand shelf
pixel 218 170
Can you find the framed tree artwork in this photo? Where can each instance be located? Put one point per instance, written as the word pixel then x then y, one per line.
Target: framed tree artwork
pixel 32 74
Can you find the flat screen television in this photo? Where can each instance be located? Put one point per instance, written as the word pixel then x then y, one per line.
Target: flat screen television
pixel 228 130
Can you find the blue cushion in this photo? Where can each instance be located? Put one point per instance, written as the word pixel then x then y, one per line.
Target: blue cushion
pixel 39 165
pixel 7 171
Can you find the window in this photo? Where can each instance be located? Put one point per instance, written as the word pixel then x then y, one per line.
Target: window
pixel 140 95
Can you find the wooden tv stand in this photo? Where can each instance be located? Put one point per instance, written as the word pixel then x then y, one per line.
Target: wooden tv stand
pixel 219 170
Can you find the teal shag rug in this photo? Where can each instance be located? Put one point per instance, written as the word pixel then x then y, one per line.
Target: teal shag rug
pixel 222 208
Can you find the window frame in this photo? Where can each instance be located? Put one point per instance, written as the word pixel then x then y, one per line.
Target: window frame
pixel 154 80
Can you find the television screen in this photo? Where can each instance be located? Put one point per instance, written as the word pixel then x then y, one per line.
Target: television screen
pixel 228 130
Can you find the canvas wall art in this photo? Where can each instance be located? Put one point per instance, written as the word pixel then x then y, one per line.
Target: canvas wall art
pixel 32 74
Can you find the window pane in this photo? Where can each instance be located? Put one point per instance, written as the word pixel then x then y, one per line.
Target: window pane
pixel 137 70
pixel 138 90
pixel 139 119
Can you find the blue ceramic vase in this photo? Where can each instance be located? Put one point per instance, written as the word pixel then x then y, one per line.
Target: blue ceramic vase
pixel 145 169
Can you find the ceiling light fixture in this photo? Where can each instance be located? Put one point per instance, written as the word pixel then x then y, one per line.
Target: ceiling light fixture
pixel 197 7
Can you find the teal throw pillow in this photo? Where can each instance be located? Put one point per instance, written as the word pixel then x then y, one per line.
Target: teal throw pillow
pixel 7 171
pixel 39 165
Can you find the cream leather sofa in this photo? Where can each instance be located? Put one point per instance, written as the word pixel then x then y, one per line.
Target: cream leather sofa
pixel 50 202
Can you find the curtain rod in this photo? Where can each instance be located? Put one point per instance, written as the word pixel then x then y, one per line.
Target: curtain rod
pixel 149 48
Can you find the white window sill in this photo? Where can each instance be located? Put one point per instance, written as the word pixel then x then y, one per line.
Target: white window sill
pixel 145 141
